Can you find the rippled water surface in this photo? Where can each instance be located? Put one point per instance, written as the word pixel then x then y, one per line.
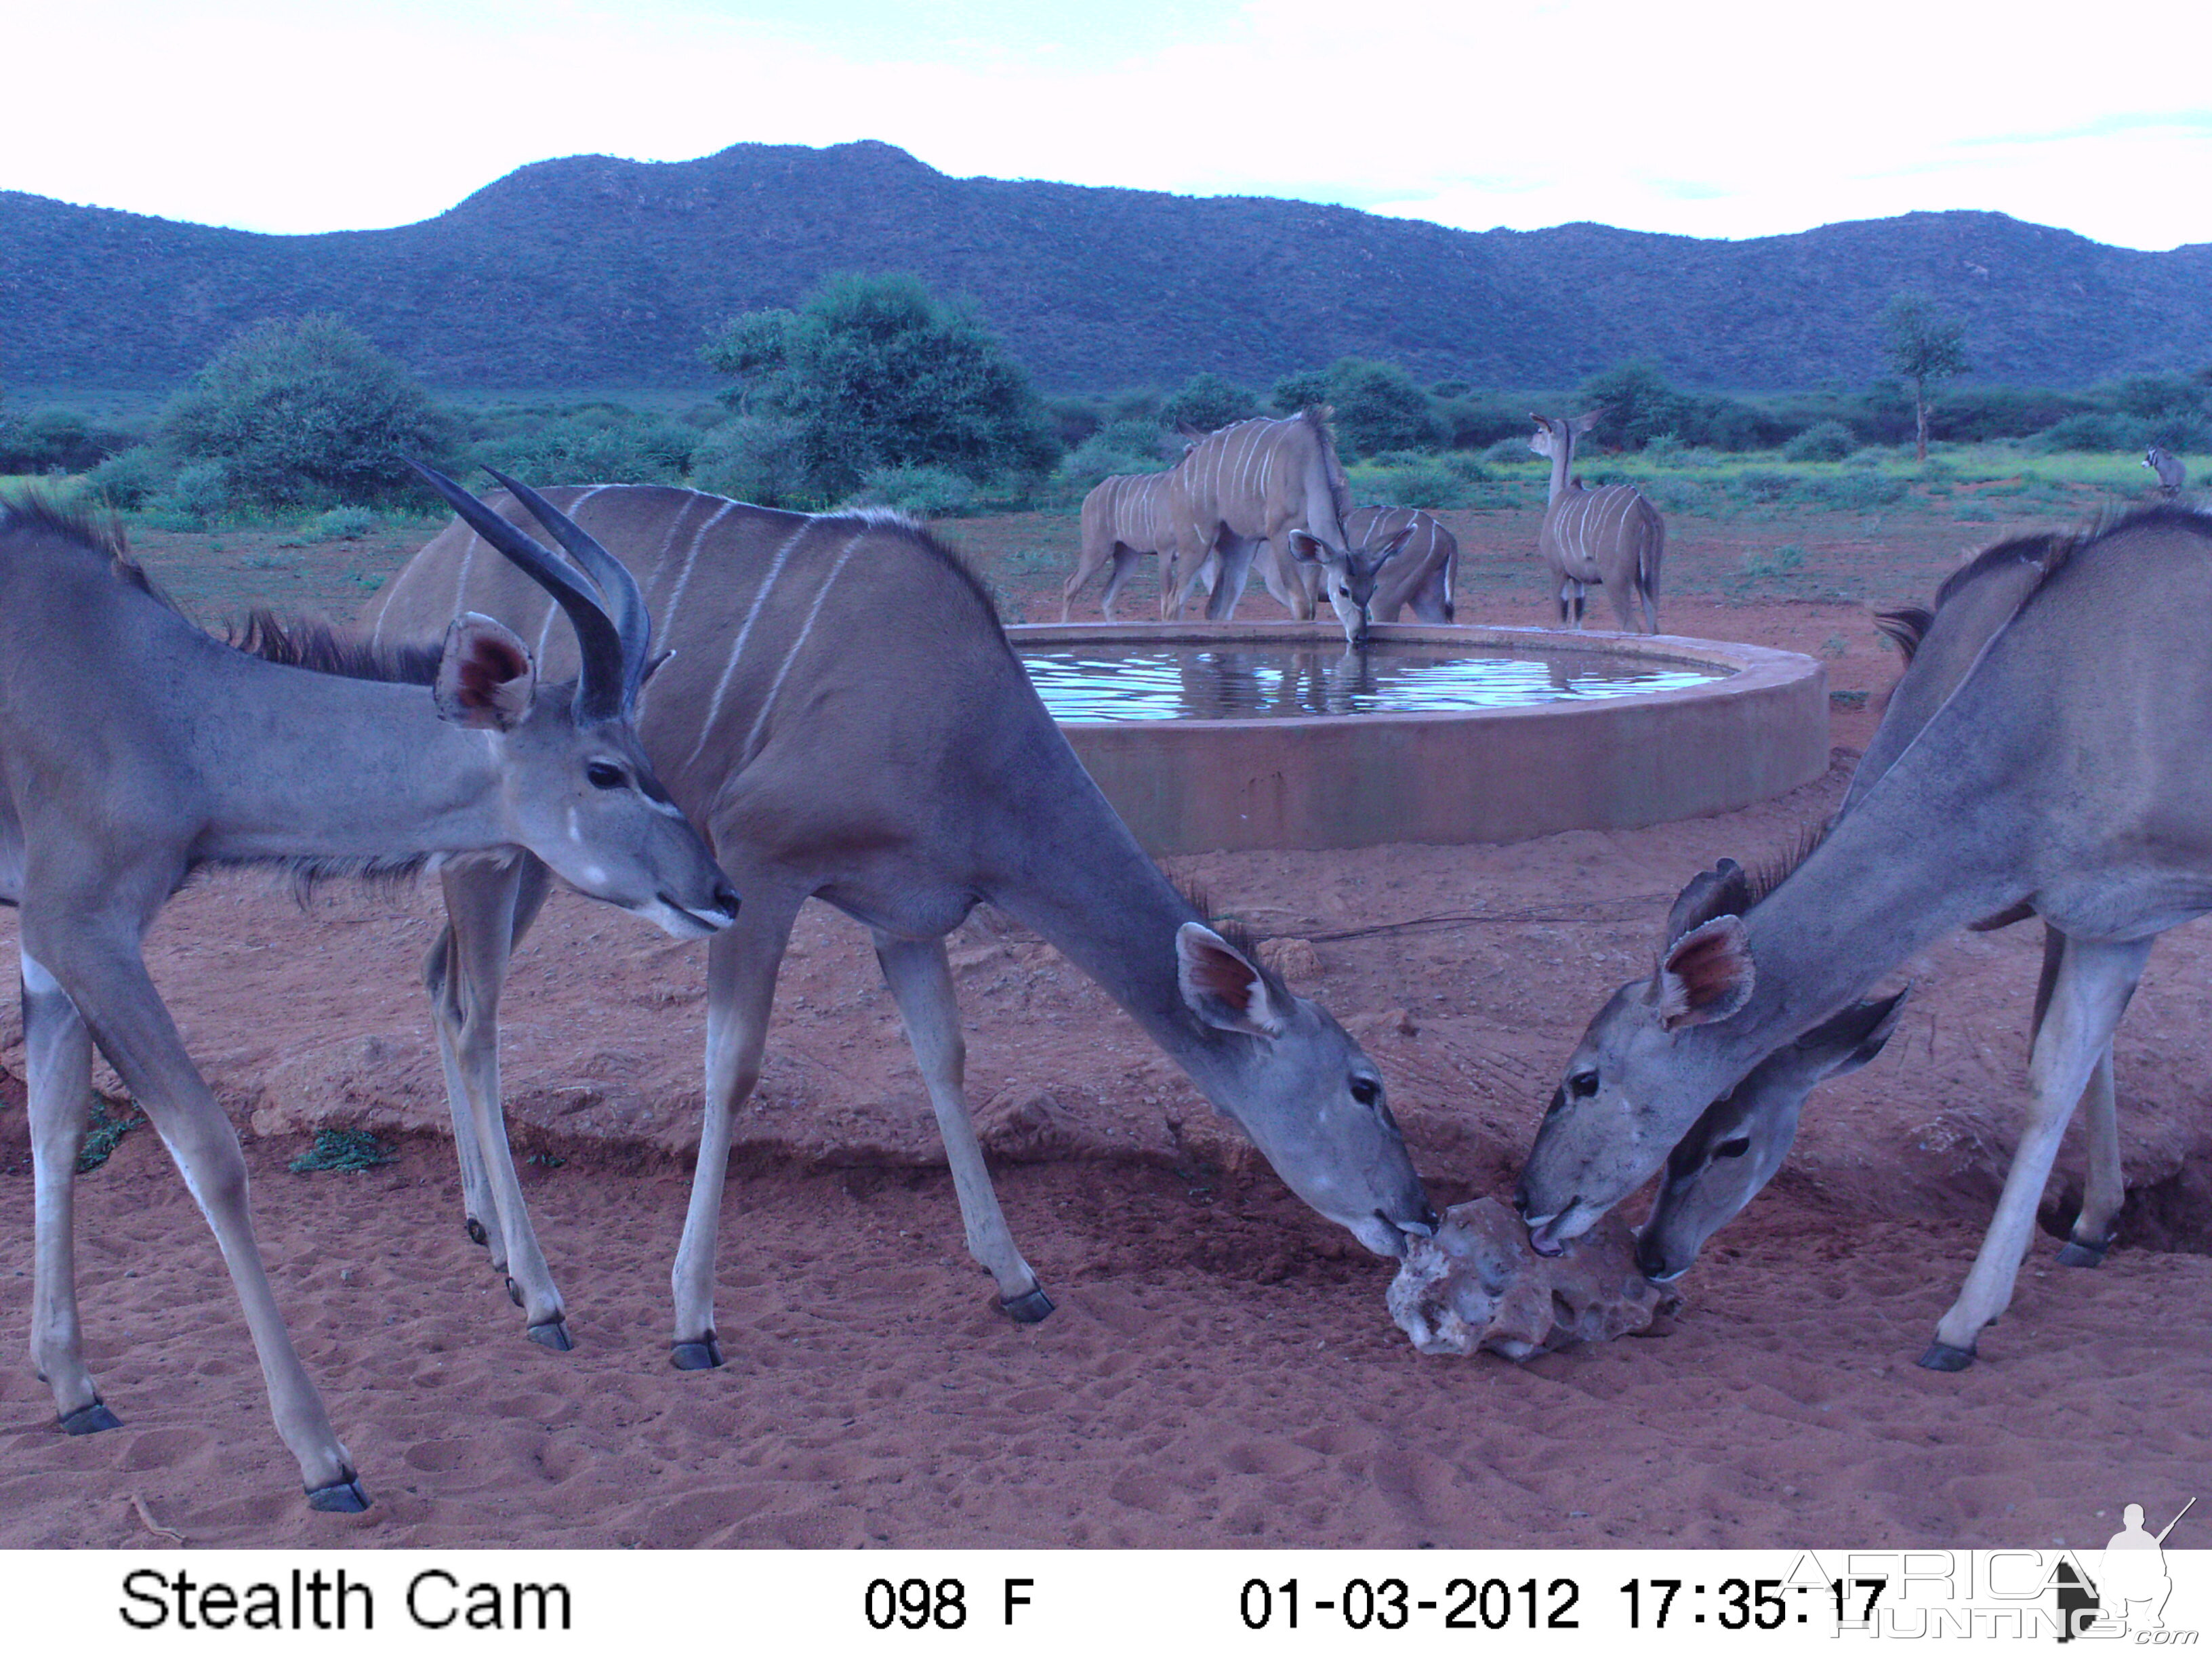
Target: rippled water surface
pixel 1167 682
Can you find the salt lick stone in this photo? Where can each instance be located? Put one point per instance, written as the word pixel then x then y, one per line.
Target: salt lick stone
pixel 1478 1284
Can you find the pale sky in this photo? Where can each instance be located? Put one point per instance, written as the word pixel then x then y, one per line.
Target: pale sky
pixel 1703 118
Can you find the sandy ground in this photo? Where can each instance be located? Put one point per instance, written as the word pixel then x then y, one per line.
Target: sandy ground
pixel 1221 1370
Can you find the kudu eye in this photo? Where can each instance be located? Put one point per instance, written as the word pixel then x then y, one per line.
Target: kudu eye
pixel 605 775
pixel 1583 1084
pixel 1366 1091
pixel 1735 1148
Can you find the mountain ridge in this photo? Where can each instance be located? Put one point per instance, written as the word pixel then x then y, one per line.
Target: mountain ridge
pixel 595 271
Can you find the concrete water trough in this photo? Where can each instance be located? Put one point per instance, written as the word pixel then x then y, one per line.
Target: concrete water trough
pixel 1216 736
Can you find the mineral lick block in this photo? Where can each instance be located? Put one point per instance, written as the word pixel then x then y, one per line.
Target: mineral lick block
pixel 1478 1284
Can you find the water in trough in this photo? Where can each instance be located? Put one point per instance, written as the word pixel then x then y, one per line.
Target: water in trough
pixel 1166 680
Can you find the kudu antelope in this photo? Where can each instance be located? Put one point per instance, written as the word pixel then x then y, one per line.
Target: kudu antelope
pixel 843 714
pixel 1126 518
pixel 1739 1145
pixel 2172 476
pixel 1394 556
pixel 1252 489
pixel 1610 535
pixel 135 748
pixel 2063 766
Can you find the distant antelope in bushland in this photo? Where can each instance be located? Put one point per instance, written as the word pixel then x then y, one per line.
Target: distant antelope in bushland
pixel 1610 535
pixel 134 749
pixel 2172 474
pixel 843 714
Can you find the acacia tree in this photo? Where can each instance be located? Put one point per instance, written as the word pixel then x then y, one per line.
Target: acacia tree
pixel 305 412
pixel 1924 346
pixel 872 371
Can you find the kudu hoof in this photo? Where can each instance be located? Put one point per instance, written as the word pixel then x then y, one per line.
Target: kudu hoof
pixel 2074 1254
pixel 475 1231
pixel 1942 1356
pixel 553 1335
pixel 514 1292
pixel 704 1355
pixel 343 1497
pixel 90 1419
pixel 1027 1310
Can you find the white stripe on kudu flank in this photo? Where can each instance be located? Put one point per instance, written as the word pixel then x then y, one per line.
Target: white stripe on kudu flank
pixel 684 576
pixel 744 632
pixel 791 656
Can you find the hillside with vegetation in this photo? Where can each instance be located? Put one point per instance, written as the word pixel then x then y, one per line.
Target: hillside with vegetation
pixel 594 272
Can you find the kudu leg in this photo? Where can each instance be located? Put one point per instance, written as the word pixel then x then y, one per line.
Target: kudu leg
pixel 2091 991
pixel 487 909
pixel 921 984
pixel 742 961
pixel 57 1057
pixel 1125 566
pixel 2106 1187
pixel 126 1017
pixel 1236 554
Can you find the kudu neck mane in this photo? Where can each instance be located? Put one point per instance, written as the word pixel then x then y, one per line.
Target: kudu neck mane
pixel 1907 628
pixel 323 648
pixel 299 642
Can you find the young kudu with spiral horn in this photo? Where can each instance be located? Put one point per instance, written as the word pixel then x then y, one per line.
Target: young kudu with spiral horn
pixel 135 748
pixel 2060 763
pixel 1611 535
pixel 843 712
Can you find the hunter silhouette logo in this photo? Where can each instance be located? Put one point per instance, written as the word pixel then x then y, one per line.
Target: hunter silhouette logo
pixel 2128 1593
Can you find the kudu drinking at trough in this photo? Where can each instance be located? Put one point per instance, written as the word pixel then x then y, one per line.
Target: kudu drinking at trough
pixel 2061 766
pixel 1611 535
pixel 134 749
pixel 843 714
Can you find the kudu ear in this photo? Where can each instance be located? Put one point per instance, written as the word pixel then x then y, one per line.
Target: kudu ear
pixel 1395 546
pixel 485 678
pixel 1843 1042
pixel 1722 891
pixel 1221 986
pixel 1583 423
pixel 1705 976
pixel 1307 547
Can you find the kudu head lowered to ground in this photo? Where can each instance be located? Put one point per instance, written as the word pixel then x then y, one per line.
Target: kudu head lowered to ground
pixel 1307 1094
pixel 1738 1145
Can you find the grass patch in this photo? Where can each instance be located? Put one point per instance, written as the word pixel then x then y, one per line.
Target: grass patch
pixel 111 1122
pixel 349 1151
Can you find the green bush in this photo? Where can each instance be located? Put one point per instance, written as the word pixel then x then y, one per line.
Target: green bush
pixel 2104 430
pixel 1207 402
pixel 597 447
pixel 1378 408
pixel 128 480
pixel 876 371
pixel 1118 447
pixel 196 496
pixel 1510 452
pixel 1857 491
pixel 1829 441
pixel 928 492
pixel 756 458
pixel 305 412
pixel 54 440
pixel 1416 480
pixel 343 524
